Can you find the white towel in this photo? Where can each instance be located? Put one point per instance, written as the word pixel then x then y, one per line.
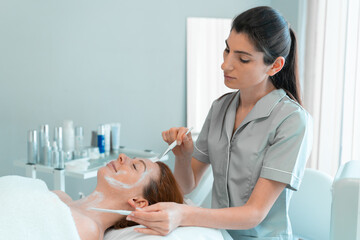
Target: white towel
pixel 180 233
pixel 28 210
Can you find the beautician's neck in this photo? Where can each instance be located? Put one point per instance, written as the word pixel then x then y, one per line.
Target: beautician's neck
pixel 250 96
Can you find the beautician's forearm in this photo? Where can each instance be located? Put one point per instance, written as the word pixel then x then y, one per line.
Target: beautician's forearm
pixel 184 174
pixel 244 217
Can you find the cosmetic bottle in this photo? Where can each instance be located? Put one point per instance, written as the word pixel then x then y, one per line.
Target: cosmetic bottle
pixel 32 147
pixel 107 139
pixel 55 155
pixel 43 139
pixel 68 139
pixel 101 140
pixel 94 139
pixel 61 164
pixel 46 154
pixel 115 137
pixel 58 137
pixel 79 142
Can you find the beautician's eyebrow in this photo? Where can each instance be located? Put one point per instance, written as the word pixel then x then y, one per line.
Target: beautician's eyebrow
pixel 236 51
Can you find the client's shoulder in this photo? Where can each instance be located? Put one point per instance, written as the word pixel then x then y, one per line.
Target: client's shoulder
pixel 87 228
pixel 63 196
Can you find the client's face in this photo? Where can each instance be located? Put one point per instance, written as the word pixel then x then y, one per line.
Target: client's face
pixel 130 174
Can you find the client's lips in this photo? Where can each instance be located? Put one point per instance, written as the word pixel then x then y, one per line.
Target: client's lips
pixel 112 164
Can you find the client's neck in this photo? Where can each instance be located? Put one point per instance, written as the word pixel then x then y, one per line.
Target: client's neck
pixel 101 200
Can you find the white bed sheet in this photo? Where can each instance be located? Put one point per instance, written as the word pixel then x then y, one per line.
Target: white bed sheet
pixel 198 233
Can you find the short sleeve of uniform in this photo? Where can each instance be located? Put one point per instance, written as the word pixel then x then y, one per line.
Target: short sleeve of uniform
pixel 286 157
pixel 201 152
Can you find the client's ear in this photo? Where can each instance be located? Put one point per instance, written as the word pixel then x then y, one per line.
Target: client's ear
pixel 138 202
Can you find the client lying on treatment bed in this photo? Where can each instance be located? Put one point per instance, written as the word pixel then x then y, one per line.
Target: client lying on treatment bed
pixel 123 184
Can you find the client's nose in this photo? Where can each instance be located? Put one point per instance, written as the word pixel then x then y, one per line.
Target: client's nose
pixel 122 158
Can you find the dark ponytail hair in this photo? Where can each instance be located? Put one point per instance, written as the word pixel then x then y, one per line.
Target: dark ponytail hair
pixel 270 33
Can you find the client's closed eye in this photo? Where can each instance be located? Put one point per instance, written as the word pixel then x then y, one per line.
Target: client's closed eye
pixel 139 166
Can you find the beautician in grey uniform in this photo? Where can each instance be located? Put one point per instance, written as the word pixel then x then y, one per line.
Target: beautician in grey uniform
pixel 257 139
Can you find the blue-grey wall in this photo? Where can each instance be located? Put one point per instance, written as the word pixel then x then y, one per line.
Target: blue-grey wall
pixel 96 62
pixel 290 10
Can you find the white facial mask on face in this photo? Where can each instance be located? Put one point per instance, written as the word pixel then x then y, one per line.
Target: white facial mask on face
pixel 120 185
pixel 120 172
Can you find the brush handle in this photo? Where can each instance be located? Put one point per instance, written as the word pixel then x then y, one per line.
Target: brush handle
pixel 189 130
pixel 173 144
pixel 122 212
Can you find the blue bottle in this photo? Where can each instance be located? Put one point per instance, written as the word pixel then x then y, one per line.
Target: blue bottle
pixel 101 140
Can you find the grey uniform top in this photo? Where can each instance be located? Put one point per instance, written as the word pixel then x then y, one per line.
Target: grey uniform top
pixel 273 142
